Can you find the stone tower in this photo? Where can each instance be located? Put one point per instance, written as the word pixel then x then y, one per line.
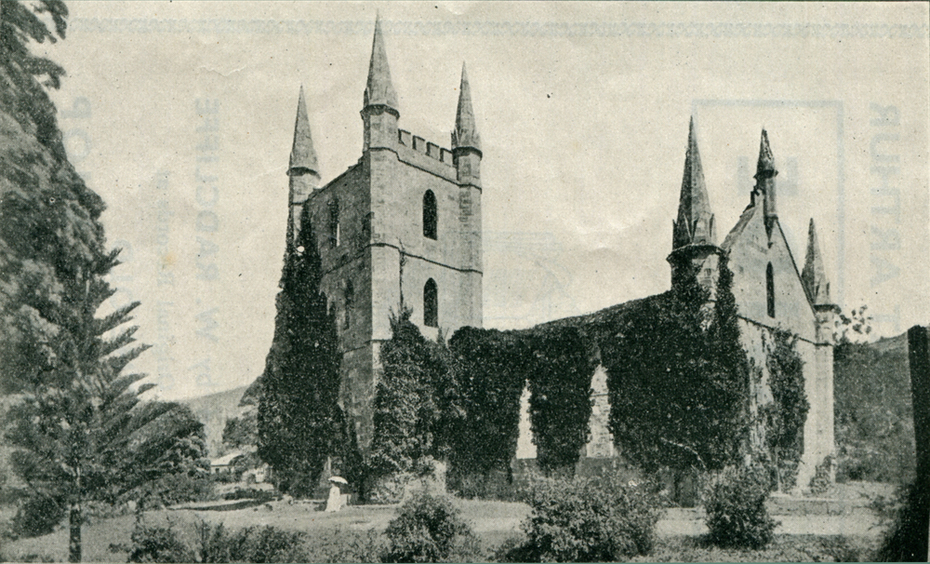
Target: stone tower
pixel 401 227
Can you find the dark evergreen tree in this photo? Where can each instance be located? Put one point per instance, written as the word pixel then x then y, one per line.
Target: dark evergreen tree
pixel 724 399
pixel 76 426
pixel 298 414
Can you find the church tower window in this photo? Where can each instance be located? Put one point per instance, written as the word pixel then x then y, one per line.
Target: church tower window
pixel 350 303
pixel 334 222
pixel 770 290
pixel 430 304
pixel 430 217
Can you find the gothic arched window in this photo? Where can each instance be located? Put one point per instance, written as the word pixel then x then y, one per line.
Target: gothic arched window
pixel 430 304
pixel 350 303
pixel 430 217
pixel 334 222
pixel 770 290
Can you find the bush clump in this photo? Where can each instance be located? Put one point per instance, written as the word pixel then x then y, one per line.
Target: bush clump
pixel 584 521
pixel 428 529
pixel 736 513
pixel 213 543
pixel 156 543
pixel 252 544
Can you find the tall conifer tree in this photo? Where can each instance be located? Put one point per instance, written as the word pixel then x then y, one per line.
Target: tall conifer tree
pixel 298 414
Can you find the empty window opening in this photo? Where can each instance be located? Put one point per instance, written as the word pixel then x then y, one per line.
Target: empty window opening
pixel 770 290
pixel 429 215
pixel 430 304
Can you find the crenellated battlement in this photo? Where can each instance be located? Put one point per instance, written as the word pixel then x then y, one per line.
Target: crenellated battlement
pixel 425 147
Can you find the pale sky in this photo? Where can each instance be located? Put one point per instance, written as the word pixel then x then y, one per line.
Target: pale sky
pixel 583 111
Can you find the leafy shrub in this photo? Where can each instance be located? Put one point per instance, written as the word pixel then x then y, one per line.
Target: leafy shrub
pixel 157 544
pixel 820 482
pixel 428 529
pixel 346 546
pixel 37 515
pixel 172 489
pixel 736 513
pixel 215 544
pixel 253 544
pixel 581 521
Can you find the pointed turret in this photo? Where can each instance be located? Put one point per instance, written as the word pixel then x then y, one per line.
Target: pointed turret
pixel 466 143
pixel 814 279
pixel 380 112
pixel 303 156
pixel 303 169
pixel 695 224
pixel 766 164
pixel 466 131
pixel 765 178
pixel 380 90
pixel 814 275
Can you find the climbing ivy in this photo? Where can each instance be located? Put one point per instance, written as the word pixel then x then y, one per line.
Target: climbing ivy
pixel 785 416
pixel 560 400
pixel 406 402
pixel 678 379
pixel 490 373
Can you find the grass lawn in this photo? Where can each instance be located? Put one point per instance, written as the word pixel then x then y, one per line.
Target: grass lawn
pixel 801 537
pixel 493 522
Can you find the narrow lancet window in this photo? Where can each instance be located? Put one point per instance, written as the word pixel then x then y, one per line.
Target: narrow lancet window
pixel 770 290
pixel 430 304
pixel 350 303
pixel 334 223
pixel 430 218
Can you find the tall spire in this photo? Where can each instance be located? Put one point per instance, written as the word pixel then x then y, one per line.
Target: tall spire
pixel 379 90
pixel 303 156
pixel 695 224
pixel 466 131
pixel 814 276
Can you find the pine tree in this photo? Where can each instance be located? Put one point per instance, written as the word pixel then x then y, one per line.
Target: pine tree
pixel 70 423
pixel 298 414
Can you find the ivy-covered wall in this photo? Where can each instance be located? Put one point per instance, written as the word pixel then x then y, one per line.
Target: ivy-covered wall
pixel 678 379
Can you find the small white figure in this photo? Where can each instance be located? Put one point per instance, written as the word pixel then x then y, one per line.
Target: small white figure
pixel 334 503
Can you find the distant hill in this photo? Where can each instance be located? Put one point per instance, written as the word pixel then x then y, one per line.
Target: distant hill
pixel 874 417
pixel 213 410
